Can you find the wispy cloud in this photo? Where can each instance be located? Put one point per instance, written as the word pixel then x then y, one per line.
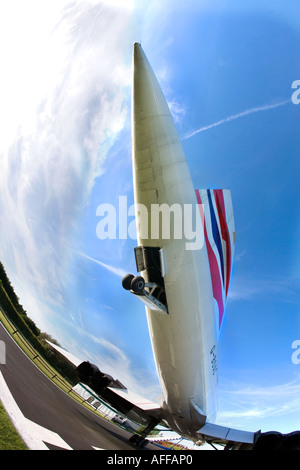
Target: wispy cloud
pixel 117 271
pixel 286 287
pixel 62 108
pixel 233 117
pixel 249 405
pixel 178 111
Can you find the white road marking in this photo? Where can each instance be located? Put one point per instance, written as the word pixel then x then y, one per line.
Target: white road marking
pixel 32 434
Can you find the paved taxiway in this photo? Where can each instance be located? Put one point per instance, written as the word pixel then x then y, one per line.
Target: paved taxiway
pixel 43 403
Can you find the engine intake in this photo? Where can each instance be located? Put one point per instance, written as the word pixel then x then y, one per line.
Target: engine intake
pixel 91 375
pixel 276 441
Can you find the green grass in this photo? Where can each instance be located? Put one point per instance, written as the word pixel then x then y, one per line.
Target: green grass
pixel 9 438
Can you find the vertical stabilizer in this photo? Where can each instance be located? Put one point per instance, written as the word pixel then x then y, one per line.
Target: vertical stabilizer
pixel 216 210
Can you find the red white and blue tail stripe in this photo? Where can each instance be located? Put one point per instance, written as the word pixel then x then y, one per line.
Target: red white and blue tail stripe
pixel 216 211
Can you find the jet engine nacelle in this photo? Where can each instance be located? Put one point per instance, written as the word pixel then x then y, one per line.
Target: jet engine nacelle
pixel 91 375
pixel 276 441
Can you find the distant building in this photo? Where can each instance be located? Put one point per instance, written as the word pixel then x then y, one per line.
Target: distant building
pixel 106 410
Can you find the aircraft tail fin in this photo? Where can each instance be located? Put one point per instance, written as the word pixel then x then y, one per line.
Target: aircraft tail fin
pixel 216 210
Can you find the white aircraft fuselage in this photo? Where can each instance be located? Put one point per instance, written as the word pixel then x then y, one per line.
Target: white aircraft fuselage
pixel 186 240
pixel 184 340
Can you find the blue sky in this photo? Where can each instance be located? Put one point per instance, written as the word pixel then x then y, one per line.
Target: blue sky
pixel 226 68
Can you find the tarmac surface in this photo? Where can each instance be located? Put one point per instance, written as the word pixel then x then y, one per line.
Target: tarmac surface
pixel 47 414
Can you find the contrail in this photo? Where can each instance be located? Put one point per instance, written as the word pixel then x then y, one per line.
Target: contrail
pixel 237 116
pixel 117 271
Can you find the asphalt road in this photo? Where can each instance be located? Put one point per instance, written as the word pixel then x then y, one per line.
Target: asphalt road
pixel 43 403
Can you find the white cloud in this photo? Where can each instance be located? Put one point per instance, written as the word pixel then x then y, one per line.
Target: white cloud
pixel 178 111
pixel 254 407
pixel 62 92
pixel 62 96
pixel 286 288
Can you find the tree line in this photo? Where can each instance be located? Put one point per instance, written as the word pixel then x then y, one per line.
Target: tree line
pixel 10 303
